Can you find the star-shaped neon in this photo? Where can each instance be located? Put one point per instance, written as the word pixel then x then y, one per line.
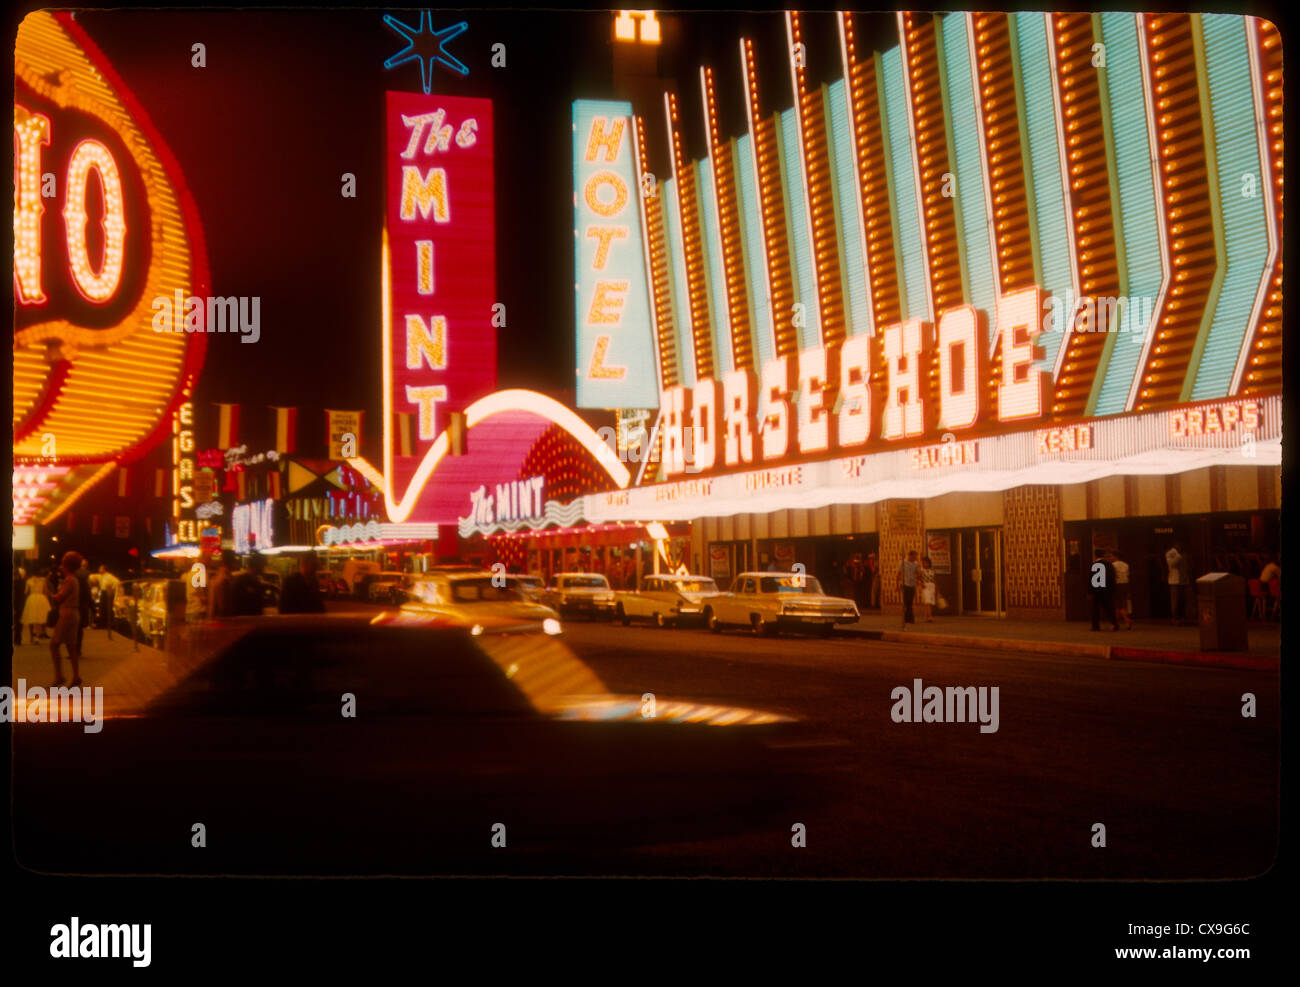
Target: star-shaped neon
pixel 431 41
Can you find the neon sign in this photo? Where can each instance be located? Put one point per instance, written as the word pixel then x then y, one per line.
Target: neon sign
pixel 183 473
pixel 103 224
pixel 821 398
pixel 440 339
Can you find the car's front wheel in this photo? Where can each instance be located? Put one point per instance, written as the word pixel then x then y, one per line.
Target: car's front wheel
pixel 661 621
pixel 711 621
pixel 622 616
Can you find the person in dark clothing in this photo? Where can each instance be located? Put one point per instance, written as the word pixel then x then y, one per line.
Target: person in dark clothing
pixel 220 603
pixel 301 593
pixel 83 601
pixel 1101 587
pixel 19 599
pixel 247 591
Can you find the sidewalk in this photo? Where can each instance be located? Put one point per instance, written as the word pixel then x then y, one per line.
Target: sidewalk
pixel 1148 641
pixel 130 678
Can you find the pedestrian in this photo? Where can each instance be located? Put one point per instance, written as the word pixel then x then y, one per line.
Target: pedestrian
pixel 908 574
pixel 1177 566
pixel 1101 587
pixel 108 586
pixel 219 599
pixel 36 606
pixel 873 566
pixel 83 601
pixel 67 627
pixel 247 591
pixel 19 599
pixel 1122 598
pixel 850 577
pixel 301 593
pixel 927 589
pixel 1270 571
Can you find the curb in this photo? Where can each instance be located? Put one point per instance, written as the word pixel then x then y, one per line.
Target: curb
pixel 1234 660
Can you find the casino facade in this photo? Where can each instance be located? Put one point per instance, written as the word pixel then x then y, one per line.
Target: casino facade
pixel 1004 293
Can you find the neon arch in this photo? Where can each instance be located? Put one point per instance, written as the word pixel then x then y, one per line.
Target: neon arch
pixel 515 399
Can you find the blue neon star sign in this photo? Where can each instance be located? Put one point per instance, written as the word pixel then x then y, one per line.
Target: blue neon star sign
pixel 433 42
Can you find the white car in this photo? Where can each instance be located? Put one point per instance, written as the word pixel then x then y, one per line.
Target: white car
pixel 769 602
pixel 667 600
pixel 585 593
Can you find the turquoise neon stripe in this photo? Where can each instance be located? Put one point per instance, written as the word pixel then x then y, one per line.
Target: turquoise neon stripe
pixel 1137 193
pixel 715 276
pixel 848 214
pixel 1053 225
pixel 969 169
pixel 796 214
pixel 760 311
pixel 1245 221
pixel 681 294
pixel 903 186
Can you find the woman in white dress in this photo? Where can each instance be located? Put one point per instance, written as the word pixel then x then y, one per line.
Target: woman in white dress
pixel 36 607
pixel 927 594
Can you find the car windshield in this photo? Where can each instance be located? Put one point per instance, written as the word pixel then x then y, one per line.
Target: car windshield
pixel 793 583
pixel 482 591
pixel 586 582
pixel 695 585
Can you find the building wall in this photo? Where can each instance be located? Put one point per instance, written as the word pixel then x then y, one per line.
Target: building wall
pixel 899 534
pixel 1033 551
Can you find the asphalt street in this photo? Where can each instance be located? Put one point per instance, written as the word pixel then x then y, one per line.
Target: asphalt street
pixel 1160 755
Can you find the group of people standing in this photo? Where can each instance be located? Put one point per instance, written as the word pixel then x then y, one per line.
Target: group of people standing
pixel 57 607
pixel 1108 588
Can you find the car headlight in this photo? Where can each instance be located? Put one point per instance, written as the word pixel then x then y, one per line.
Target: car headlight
pixel 476 630
pixel 551 626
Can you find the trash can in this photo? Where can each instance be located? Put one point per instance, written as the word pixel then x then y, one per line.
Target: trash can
pixel 1221 612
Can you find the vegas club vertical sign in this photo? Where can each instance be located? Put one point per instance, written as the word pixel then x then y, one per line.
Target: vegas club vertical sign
pixel 440 228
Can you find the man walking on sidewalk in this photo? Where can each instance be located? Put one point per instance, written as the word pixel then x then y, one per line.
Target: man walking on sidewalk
pixel 108 584
pixel 908 571
pixel 1101 587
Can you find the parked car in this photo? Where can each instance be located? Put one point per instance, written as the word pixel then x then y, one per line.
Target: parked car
pixel 585 593
pixel 475 599
pixel 384 587
pixel 667 599
pixel 531 586
pixel 768 602
pixel 332 585
pixel 355 571
pixel 161 601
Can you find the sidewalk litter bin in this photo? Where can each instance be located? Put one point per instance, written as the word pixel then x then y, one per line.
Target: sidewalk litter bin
pixel 1221 611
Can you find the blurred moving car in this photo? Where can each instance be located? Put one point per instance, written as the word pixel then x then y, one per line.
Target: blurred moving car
pixel 405 744
pixel 585 593
pixel 668 599
pixel 478 600
pixel 768 603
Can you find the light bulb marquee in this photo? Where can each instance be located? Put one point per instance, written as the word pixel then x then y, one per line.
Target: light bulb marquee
pixel 983 262
pixel 103 224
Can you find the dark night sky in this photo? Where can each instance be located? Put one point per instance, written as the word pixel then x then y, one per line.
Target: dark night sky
pixel 289 101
